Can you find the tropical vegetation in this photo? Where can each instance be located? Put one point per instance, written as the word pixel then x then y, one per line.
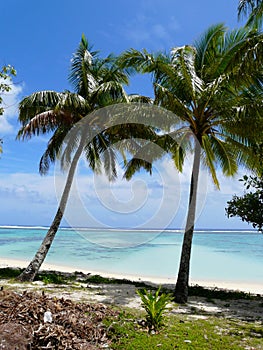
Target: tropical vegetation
pixel 97 82
pixel 213 87
pixel 196 328
pixel 253 9
pixel 6 73
pixel 155 303
pixel 249 206
pixel 210 87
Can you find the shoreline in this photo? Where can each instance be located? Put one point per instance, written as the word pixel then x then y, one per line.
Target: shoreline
pixel 242 286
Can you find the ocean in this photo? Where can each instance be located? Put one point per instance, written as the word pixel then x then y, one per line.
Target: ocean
pixel 234 256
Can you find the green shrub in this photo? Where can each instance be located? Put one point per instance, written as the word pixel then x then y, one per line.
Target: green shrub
pixel 53 278
pixel 154 304
pixel 9 272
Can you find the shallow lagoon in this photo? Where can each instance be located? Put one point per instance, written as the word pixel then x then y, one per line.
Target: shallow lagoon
pixel 235 256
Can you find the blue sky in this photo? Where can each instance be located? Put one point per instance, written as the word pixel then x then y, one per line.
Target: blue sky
pixel 38 39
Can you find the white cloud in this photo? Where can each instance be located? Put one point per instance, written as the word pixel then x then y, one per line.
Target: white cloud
pixel 28 187
pixel 5 126
pixel 160 31
pixel 27 199
pixel 143 31
pixel 156 201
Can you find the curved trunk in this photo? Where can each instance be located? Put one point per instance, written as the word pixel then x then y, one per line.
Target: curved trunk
pixel 181 288
pixel 32 269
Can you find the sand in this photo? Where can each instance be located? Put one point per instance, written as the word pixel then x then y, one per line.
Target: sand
pixel 248 287
pixel 124 295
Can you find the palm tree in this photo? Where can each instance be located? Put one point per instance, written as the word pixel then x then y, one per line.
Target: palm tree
pixel 207 87
pixel 253 9
pixel 97 83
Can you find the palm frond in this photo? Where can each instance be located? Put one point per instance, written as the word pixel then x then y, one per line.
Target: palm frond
pixel 58 110
pixel 136 98
pixel 172 102
pixel 182 144
pixel 225 155
pixel 187 80
pixel 239 125
pixel 246 155
pixel 209 158
pixel 109 163
pixel 253 9
pixel 207 51
pixel 247 6
pixel 135 165
pixel 178 156
pixel 74 103
pixel 36 103
pixel 93 157
pixel 243 51
pixel 42 123
pixel 73 140
pixel 136 61
pixel 53 150
pixel 110 71
pixel 108 93
pixel 80 76
pixel 256 17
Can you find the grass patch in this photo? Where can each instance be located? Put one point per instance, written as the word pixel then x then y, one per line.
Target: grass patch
pixel 179 332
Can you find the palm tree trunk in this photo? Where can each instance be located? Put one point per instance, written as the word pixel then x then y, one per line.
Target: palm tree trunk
pixel 32 269
pixel 181 288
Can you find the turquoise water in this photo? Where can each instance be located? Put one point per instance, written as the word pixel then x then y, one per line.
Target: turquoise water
pixel 216 255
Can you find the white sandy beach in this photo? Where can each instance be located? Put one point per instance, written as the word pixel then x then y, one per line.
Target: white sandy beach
pixel 253 288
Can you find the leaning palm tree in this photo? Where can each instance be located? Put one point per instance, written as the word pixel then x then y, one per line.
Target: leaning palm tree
pixel 207 87
pixel 253 9
pixel 97 83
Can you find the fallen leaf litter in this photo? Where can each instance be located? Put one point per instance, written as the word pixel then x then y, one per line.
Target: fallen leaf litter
pixel 36 321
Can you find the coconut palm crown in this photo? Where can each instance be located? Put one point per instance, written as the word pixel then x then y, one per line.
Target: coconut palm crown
pixel 97 83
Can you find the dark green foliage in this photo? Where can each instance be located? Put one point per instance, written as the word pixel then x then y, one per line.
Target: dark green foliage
pixel 154 303
pixel 249 207
pixel 253 9
pixel 97 279
pixel 5 75
pixel 52 277
pixel 45 276
pixel 9 272
pixel 222 294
